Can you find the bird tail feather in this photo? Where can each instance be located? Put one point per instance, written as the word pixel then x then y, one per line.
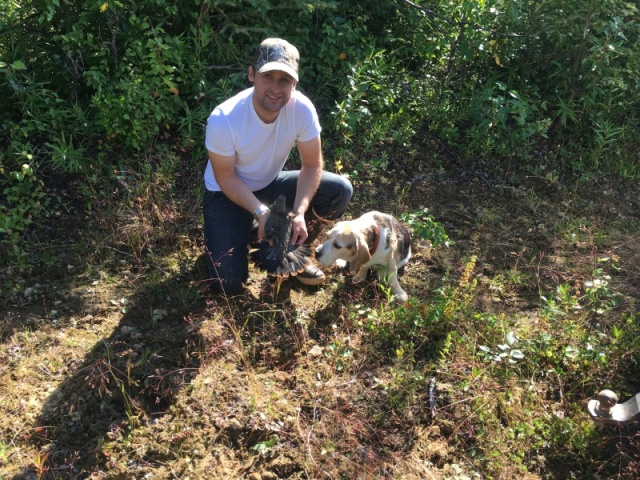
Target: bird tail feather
pixel 266 258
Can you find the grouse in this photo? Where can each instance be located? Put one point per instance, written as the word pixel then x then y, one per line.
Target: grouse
pixel 275 254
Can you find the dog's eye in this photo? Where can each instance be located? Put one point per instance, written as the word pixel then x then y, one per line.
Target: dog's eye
pixel 351 246
pixel 336 245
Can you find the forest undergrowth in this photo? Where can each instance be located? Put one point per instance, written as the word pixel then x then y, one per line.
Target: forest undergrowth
pixel 117 362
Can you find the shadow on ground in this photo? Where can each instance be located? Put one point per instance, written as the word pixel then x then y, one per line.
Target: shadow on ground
pixel 128 379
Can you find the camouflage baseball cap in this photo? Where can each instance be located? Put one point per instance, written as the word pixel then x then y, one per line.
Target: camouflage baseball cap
pixel 277 54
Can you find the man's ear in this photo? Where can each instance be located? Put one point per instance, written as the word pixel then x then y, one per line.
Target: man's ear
pixel 251 73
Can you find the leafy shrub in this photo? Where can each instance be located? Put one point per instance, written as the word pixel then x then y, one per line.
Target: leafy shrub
pixel 134 103
pixel 504 122
pixel 23 202
pixel 426 227
pixel 380 105
pixel 590 55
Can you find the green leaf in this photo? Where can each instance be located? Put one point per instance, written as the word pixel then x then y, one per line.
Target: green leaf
pixel 18 65
pixel 617 332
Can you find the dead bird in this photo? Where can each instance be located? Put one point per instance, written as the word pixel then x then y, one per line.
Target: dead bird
pixel 275 254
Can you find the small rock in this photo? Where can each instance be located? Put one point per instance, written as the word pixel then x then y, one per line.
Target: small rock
pixel 316 351
pixel 234 425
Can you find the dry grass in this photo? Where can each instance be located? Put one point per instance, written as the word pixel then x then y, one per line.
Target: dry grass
pixel 118 363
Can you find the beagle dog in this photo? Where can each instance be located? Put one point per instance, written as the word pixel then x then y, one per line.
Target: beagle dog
pixel 374 240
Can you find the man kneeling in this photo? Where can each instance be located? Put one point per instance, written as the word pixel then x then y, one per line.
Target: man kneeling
pixel 249 138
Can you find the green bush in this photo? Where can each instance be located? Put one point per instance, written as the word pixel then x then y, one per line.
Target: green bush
pixel 23 202
pixel 586 65
pixel 88 83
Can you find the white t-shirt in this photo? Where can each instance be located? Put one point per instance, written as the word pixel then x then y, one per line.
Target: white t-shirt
pixel 261 149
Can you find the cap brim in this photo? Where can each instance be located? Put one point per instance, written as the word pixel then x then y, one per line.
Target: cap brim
pixel 271 66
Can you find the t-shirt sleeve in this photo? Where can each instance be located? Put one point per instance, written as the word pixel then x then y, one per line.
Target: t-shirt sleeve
pixel 309 124
pixel 219 138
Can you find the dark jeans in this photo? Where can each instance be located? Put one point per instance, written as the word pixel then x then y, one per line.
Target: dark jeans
pixel 227 226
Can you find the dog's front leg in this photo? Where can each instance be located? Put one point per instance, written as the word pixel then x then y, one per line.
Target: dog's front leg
pixel 398 293
pixel 361 275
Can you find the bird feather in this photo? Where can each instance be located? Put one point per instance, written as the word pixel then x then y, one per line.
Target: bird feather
pixel 275 254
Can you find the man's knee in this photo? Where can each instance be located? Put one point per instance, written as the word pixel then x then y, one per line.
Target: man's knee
pixel 345 188
pixel 339 193
pixel 347 191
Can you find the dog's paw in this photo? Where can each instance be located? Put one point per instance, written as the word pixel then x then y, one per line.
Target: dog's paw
pixel 401 297
pixel 340 263
pixel 357 279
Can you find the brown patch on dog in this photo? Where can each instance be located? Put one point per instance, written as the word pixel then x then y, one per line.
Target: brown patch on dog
pixel 371 235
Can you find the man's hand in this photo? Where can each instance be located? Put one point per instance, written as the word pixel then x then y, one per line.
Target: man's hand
pixel 262 220
pixel 299 232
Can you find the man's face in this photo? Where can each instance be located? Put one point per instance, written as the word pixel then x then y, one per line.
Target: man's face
pixel 272 91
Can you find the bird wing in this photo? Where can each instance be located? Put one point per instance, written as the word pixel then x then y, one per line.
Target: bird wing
pixel 275 254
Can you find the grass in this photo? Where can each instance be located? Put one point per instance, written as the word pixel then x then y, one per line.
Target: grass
pixel 524 308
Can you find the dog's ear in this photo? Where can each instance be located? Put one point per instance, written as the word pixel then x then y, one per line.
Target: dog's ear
pixel 362 254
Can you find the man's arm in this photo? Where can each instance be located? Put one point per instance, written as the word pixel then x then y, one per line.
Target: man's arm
pixel 224 169
pixel 308 181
